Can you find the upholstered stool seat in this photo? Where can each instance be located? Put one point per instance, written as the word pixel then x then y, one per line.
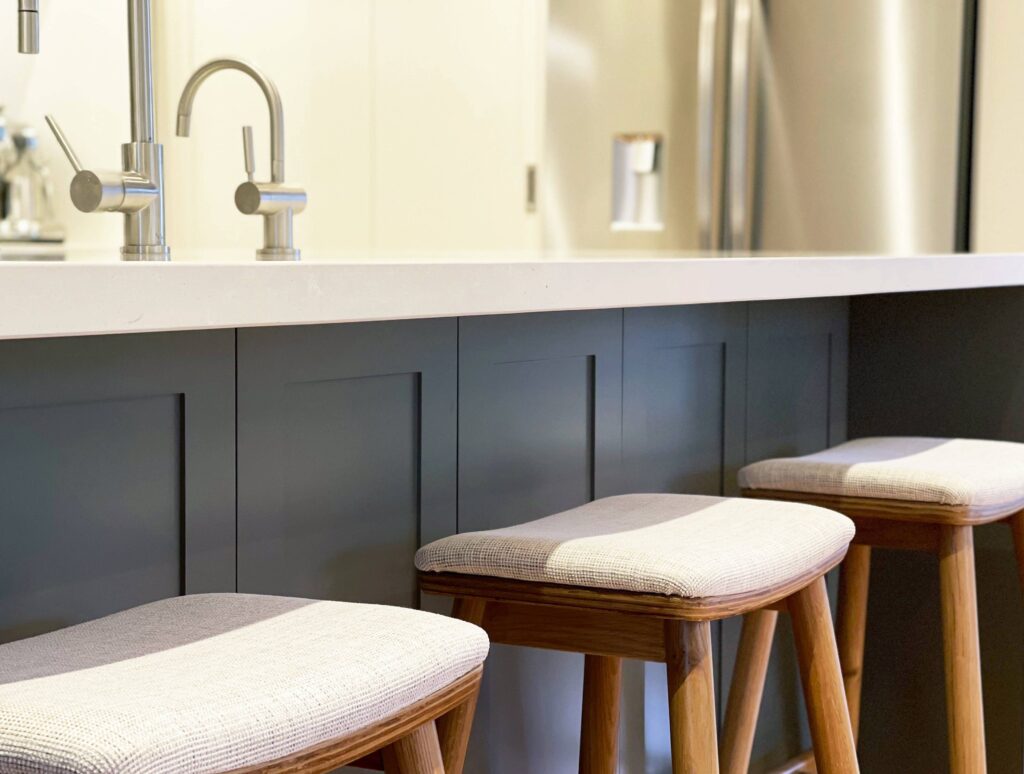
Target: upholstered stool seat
pixel 219 682
pixel 642 577
pixel 908 493
pixel 680 545
pixel 986 477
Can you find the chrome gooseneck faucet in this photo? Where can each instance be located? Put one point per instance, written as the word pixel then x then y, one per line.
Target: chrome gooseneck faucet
pixel 275 201
pixel 138 190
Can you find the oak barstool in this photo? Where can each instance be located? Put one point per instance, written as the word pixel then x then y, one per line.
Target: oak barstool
pixel 923 494
pixel 642 576
pixel 242 683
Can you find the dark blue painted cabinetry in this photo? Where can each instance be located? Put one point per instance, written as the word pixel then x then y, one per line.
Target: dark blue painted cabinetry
pixel 354 444
pixel 117 474
pixel 346 456
pixel 684 398
pixel 540 426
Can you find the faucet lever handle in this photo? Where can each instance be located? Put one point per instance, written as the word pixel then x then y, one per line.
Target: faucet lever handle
pixel 62 140
pixel 250 154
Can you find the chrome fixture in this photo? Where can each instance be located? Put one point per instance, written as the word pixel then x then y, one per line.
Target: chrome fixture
pixel 28 26
pixel 275 201
pixel 138 190
pixel 637 185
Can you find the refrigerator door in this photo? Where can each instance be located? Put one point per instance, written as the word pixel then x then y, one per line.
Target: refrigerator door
pixel 634 127
pixel 845 125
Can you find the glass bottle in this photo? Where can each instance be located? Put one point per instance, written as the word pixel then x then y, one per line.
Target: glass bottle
pixel 29 194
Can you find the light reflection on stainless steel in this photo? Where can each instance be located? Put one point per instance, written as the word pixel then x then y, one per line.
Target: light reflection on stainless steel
pixel 836 123
pixel 857 125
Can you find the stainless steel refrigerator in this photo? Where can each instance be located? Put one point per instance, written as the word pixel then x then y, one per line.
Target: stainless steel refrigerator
pixel 765 125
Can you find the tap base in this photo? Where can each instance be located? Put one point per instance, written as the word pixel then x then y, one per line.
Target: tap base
pixel 145 253
pixel 278 254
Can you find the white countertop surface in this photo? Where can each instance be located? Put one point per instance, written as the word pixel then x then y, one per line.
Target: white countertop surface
pixel 90 292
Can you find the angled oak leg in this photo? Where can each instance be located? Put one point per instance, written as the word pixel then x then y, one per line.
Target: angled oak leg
pixel 599 742
pixel 962 653
pixel 416 753
pixel 834 748
pixel 854 578
pixel 747 688
pixel 851 626
pixel 469 609
pixel 691 697
pixel 453 729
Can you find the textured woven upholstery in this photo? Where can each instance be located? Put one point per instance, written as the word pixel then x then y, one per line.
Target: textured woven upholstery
pixel 213 682
pixel 925 470
pixel 682 545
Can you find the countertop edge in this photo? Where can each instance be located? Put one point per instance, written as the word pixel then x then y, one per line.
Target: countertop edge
pixel 75 299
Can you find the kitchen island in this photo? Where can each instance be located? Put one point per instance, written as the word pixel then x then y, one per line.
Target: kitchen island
pixel 301 429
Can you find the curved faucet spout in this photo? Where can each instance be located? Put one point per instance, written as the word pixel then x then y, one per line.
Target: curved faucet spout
pixel 188 95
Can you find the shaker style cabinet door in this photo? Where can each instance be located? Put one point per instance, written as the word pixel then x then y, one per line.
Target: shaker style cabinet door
pixel 118 478
pixel 796 376
pixel 540 423
pixel 346 456
pixel 683 398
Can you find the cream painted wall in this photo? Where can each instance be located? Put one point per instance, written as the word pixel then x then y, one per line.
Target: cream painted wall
pixel 998 213
pixel 318 54
pixel 449 108
pixel 409 122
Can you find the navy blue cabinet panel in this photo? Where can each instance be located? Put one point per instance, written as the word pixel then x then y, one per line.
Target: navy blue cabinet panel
pixel 684 377
pixel 540 419
pixel 939 364
pixel 540 414
pixel 117 483
pixel 797 374
pixel 346 456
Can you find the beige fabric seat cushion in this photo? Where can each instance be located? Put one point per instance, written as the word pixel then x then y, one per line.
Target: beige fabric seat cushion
pixel 956 471
pixel 213 682
pixel 682 545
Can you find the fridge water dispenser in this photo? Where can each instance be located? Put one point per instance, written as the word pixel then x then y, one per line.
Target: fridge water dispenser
pixel 637 185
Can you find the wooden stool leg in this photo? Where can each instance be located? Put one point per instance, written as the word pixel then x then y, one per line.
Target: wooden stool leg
pixel 744 703
pixel 691 697
pixel 1017 525
pixel 822 678
pixel 453 732
pixel 962 652
pixel 417 753
pixel 453 729
pixel 852 617
pixel 850 630
pixel 469 609
pixel 599 740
